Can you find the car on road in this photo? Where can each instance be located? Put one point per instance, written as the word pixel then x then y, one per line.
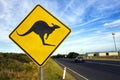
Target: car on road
pixel 79 59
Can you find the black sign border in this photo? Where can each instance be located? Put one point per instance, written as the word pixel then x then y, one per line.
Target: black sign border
pixel 56 46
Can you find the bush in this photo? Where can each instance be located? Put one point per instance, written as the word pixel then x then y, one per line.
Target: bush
pixel 4 76
pixel 72 55
pixel 20 57
pixel 27 67
pixel 59 56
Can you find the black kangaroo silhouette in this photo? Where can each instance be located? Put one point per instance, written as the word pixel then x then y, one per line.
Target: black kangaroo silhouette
pixel 41 28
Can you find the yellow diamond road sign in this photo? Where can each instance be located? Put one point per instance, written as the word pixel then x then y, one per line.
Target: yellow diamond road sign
pixel 39 34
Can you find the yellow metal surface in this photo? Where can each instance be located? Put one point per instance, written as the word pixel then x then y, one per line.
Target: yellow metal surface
pixel 32 43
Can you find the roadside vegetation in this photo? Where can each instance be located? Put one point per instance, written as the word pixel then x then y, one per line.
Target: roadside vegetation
pixel 113 58
pixel 19 67
pixel 74 54
pixel 70 55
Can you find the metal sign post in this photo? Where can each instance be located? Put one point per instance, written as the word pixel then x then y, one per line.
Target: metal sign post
pixel 41 73
pixel 42 23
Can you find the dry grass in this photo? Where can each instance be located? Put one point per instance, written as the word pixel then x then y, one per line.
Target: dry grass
pixel 19 67
pixel 26 71
pixel 110 58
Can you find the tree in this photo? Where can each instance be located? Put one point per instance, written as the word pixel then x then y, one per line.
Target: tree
pixel 72 55
pixel 59 56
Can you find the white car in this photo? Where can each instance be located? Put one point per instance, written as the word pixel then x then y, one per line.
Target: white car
pixel 79 59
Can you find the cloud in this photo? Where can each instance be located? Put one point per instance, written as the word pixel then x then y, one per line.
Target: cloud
pixel 74 11
pixel 4 34
pixel 10 14
pixel 102 38
pixel 89 22
pixel 3 8
pixel 96 42
pixel 86 46
pixel 105 5
pixel 78 32
pixel 66 8
pixel 113 23
pixel 51 6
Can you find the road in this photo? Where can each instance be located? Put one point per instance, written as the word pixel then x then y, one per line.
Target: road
pixel 93 70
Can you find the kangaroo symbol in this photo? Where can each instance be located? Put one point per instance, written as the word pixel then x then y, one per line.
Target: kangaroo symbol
pixel 41 28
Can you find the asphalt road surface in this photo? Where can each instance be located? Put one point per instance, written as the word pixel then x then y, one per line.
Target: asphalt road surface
pixel 93 70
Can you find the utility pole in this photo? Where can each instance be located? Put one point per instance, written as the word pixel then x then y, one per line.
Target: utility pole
pixel 114 41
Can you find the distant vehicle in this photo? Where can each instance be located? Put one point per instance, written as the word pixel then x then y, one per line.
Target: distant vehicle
pixel 79 59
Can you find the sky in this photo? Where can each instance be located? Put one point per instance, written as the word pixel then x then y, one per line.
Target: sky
pixel 92 23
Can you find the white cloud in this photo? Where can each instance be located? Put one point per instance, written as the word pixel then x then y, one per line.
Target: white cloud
pixel 4 34
pixel 74 11
pixel 90 21
pixel 113 23
pixel 9 17
pixel 91 47
pixel 66 8
pixel 3 8
pixel 107 5
pixel 13 12
pixel 51 6
pixel 88 44
pixel 78 32
pixel 82 41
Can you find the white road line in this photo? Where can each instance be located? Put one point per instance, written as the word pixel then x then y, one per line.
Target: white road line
pixel 102 63
pixel 78 74
pixel 73 71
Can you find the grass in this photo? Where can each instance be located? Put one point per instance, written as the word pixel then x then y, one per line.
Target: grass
pixel 55 72
pixel 15 70
pixel 112 58
pixel 20 67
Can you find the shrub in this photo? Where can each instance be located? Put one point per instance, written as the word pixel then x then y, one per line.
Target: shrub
pixel 72 55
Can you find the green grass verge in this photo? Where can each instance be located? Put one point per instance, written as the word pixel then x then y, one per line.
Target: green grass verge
pixel 52 71
pixel 111 58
